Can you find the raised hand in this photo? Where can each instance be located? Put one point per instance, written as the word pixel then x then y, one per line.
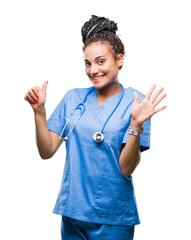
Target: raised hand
pixel 147 108
pixel 36 96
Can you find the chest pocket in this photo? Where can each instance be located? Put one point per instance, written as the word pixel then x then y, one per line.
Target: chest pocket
pixel 115 130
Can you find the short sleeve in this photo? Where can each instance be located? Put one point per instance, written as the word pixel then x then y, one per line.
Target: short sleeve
pixel 56 121
pixel 145 137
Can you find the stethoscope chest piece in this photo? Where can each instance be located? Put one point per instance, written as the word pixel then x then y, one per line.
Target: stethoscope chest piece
pixel 98 137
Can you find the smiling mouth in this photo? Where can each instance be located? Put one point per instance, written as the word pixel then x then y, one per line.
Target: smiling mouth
pixel 98 77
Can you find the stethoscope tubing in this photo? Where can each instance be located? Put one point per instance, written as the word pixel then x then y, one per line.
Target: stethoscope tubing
pixel 82 107
pixel 122 93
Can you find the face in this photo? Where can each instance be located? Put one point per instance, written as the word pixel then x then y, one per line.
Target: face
pixel 101 66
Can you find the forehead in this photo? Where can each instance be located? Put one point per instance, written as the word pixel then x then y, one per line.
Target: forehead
pixel 96 49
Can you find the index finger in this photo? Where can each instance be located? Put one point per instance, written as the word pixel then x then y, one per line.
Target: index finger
pixel 36 90
pixel 150 91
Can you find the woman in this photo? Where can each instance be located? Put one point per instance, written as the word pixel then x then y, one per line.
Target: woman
pixel 104 136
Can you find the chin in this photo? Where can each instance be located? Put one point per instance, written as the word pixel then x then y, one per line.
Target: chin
pixel 99 85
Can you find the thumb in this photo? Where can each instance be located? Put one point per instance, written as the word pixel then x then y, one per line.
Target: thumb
pixel 44 86
pixel 136 99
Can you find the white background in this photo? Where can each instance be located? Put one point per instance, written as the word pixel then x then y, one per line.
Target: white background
pixel 41 40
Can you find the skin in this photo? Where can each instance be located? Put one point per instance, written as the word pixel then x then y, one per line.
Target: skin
pixel 47 141
pixel 102 69
pixel 130 155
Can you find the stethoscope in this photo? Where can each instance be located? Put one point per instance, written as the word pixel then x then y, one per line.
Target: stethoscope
pixel 98 136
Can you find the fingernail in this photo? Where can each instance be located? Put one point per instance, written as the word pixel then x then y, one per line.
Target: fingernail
pixel 37 97
pixel 46 82
pixel 35 101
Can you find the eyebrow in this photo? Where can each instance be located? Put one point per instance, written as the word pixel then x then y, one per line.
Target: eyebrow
pixel 95 58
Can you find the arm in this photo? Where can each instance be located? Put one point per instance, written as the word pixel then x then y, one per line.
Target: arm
pixel 130 154
pixel 47 141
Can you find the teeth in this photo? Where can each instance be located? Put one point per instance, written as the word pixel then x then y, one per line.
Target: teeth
pixel 98 77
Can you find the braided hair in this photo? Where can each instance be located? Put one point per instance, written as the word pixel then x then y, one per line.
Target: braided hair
pixel 101 29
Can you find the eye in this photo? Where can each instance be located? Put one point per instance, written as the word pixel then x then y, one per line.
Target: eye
pixel 101 62
pixel 87 64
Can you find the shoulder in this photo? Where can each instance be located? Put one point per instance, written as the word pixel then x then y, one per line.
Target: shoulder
pixel 129 93
pixel 76 91
pixel 74 95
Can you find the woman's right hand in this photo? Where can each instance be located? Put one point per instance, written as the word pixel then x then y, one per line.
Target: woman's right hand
pixel 36 96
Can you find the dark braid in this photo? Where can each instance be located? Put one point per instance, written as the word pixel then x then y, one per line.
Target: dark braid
pixel 97 24
pixel 100 29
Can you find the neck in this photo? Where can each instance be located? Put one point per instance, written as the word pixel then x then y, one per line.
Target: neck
pixel 109 90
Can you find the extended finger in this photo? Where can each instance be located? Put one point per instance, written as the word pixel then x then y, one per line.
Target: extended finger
pixel 44 86
pixel 136 99
pixel 159 99
pixel 150 91
pixel 155 96
pixel 160 109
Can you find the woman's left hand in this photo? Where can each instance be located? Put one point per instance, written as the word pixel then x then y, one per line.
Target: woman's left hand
pixel 147 108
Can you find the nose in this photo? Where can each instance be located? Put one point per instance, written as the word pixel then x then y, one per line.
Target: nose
pixel 93 70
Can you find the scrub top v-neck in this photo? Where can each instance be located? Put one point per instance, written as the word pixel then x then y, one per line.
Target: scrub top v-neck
pixel 93 188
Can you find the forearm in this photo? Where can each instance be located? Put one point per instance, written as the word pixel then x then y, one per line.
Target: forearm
pixel 130 154
pixel 43 137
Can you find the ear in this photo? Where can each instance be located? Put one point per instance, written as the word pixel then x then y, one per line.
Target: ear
pixel 120 59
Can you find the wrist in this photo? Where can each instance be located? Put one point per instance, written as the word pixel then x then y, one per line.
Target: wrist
pixel 40 110
pixel 135 125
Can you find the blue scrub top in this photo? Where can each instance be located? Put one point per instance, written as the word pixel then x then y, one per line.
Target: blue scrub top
pixel 93 188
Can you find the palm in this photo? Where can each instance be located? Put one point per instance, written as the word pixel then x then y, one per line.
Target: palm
pixel 147 108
